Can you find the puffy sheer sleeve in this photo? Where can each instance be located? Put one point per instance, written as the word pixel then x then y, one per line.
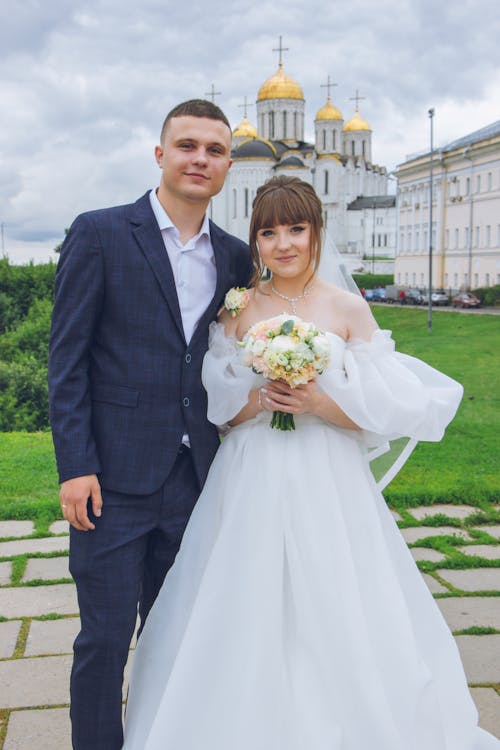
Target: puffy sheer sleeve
pixel 225 379
pixel 392 395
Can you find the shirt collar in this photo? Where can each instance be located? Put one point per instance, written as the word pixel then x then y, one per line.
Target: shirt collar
pixel 165 222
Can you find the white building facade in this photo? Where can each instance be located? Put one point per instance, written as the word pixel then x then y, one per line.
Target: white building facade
pixel 465 215
pixel 338 165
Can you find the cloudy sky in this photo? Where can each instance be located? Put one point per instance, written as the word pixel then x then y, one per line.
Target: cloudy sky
pixel 85 86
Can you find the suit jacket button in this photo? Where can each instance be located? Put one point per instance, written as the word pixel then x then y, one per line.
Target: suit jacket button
pixel 187 358
pixel 185 401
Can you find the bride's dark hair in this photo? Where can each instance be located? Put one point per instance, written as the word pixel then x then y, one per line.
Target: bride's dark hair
pixel 285 200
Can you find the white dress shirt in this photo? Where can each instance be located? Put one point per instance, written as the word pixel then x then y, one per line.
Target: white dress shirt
pixel 193 266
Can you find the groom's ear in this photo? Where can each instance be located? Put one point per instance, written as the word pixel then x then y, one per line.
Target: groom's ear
pixel 159 156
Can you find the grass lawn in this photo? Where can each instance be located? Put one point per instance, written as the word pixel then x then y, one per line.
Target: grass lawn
pixel 462 468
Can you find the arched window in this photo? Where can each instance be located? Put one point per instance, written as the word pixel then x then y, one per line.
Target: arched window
pixel 235 202
pixel 284 124
pixel 246 202
pixel 353 148
pixel 334 146
pixel 324 140
pixel 271 124
pixel 326 182
pixel 363 145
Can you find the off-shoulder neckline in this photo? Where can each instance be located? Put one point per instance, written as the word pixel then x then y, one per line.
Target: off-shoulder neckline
pixel 329 333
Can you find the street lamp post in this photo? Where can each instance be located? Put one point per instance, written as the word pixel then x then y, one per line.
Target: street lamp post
pixel 431 122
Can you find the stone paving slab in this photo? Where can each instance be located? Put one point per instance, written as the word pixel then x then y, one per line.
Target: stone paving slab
pixel 8 637
pixel 452 511
pixel 487 701
pixel 52 636
pixel 416 533
pixel 46 569
pixel 480 657
pixel 423 553
pixel 59 527
pixel 476 579
pixel 33 601
pixel 47 729
pixel 434 586
pixel 29 546
pixel 471 611
pixel 16 528
pixel 35 681
pixel 493 531
pixel 488 551
pixel 5 572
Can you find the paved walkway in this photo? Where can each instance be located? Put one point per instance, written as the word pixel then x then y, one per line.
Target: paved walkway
pixel 39 620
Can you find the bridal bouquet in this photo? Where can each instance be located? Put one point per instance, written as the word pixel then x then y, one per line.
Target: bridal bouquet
pixel 286 348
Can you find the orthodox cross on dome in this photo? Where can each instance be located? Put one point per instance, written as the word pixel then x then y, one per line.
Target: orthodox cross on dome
pixel 281 49
pixel 245 106
pixel 357 99
pixel 328 85
pixel 212 94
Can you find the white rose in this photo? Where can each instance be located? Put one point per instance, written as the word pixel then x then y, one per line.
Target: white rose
pixel 321 347
pixel 259 347
pixel 281 344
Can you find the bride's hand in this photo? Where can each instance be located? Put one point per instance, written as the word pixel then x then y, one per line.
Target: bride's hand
pixel 279 396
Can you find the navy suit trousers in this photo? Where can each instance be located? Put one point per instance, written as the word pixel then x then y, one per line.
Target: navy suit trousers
pixel 119 568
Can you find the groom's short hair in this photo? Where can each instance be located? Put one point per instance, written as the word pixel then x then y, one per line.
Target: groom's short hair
pixel 195 108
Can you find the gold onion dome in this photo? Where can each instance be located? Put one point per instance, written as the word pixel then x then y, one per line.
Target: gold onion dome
pixel 280 86
pixel 245 129
pixel 329 112
pixel 356 123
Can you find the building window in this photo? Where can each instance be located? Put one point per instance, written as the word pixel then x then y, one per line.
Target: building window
pixel 326 181
pixel 488 235
pixel 446 279
pixel 402 242
pixel 406 279
pixel 385 240
pixel 476 280
pixel 477 237
pixel 246 202
pixel 325 219
pixel 456 238
pixel 490 181
pixel 466 236
pixel 447 239
pixel 295 129
pixel 467 186
pixel 284 124
pixel 414 279
pixel 334 134
pixel 324 140
pixel 353 148
pixel 417 240
pixel 478 183
pixel 487 280
pixel 235 202
pixel 421 279
pixel 271 124
pixel 363 148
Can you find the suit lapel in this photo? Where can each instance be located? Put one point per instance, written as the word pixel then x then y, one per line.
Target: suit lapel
pixel 147 233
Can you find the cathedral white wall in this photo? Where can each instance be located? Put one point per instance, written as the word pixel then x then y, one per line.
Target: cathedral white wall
pixel 271 115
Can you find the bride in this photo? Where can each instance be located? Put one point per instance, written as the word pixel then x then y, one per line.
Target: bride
pixel 294 617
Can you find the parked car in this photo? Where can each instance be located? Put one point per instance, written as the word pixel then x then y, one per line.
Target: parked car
pixel 464 299
pixel 438 298
pixel 414 297
pixel 375 295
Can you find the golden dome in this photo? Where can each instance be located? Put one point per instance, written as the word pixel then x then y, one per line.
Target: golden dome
pixel 356 123
pixel 280 86
pixel 329 112
pixel 245 129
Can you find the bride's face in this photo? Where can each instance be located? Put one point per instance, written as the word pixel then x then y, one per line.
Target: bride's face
pixel 286 249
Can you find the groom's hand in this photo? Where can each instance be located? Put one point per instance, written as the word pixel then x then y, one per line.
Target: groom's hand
pixel 74 496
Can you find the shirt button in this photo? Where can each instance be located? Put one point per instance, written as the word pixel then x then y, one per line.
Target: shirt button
pixel 187 358
pixel 185 401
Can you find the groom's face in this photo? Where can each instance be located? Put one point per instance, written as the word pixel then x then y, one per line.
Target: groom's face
pixel 194 158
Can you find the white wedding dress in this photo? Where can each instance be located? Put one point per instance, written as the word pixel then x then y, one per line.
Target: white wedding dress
pixel 294 617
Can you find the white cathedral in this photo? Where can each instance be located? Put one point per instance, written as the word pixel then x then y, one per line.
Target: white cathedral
pixel 338 164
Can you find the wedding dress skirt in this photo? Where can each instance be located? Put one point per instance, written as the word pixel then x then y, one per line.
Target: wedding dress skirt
pixel 294 617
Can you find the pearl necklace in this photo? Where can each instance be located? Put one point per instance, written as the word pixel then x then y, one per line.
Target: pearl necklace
pixel 293 300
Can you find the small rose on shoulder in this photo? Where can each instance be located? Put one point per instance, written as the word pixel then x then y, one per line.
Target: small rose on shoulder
pixel 236 300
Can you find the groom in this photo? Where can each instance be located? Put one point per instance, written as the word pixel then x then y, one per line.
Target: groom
pixel 136 289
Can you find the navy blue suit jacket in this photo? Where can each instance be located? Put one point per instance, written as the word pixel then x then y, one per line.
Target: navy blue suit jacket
pixel 124 385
